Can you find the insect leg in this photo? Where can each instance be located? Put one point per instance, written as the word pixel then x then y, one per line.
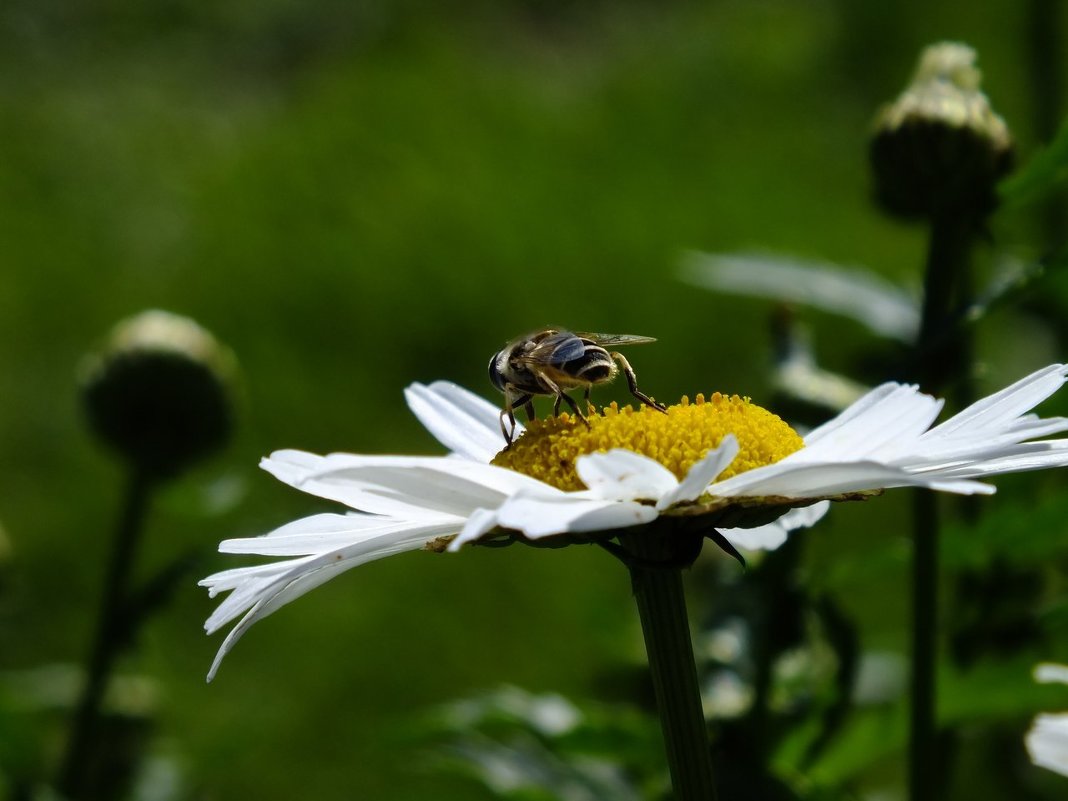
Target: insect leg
pixel 632 383
pixel 528 409
pixel 511 401
pixel 563 396
pixel 575 408
pixel 504 430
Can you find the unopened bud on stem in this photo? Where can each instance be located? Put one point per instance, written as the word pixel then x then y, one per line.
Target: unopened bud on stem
pixel 160 392
pixel 940 148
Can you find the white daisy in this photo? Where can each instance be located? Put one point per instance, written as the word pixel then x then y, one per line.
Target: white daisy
pixel 723 467
pixel 1047 740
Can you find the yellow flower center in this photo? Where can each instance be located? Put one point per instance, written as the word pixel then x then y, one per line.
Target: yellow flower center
pixel 548 449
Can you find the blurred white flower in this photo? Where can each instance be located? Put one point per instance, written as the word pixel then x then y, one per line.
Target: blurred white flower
pixel 726 466
pixel 1047 740
pixel 853 292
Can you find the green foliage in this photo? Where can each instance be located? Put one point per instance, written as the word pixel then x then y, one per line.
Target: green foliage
pixel 1043 174
pixel 526 746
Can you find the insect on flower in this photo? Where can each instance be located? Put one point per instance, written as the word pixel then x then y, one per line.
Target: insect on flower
pixel 551 361
pixel 732 467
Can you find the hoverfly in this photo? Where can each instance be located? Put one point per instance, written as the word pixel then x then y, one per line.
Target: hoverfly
pixel 550 361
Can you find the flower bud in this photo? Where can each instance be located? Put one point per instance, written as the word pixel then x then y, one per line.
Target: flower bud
pixel 160 392
pixel 940 148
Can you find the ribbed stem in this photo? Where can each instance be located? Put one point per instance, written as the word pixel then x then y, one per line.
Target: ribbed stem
pixel 938 344
pixel 111 636
pixel 939 359
pixel 924 778
pixel 665 625
pixel 1045 26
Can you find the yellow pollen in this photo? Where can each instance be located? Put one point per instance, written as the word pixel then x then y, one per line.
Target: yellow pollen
pixel 548 449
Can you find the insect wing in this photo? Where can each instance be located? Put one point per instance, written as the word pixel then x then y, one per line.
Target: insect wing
pixel 556 349
pixel 615 340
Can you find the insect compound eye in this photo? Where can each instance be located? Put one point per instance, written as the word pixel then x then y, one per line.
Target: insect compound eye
pixel 495 376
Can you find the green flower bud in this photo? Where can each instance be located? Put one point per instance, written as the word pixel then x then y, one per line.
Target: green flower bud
pixel 940 147
pixel 160 392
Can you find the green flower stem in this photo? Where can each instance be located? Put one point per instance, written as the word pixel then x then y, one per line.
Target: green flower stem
pixel 1045 23
pixel 938 359
pixel 924 779
pixel 111 635
pixel 662 610
pixel 947 283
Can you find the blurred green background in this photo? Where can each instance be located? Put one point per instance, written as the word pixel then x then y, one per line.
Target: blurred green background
pixel 357 195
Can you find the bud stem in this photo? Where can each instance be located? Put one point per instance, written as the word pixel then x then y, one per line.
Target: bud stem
pixel 947 283
pixel 941 356
pixel 111 635
pixel 665 625
pixel 924 781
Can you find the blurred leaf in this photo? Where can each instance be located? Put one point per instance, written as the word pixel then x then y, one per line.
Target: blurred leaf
pixel 159 778
pixel 995 691
pixel 871 735
pixel 1026 532
pixel 526 746
pixel 1045 172
pixel 1013 278
pixel 23 734
pixel 207 494
pixel 990 693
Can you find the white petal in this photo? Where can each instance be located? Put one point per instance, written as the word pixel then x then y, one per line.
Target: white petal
pixel 799 480
pixel 872 399
pixel 702 473
pixel 995 411
pixel 290 465
pixel 971 447
pixel 771 536
pixel 622 475
pixel 538 516
pixel 268 604
pixel 481 522
pixel 805 516
pixel 403 486
pixel 1047 672
pixel 1022 458
pixel 260 584
pixel 460 420
pixel 791 480
pixel 246 583
pixel 761 538
pixel 226 580
pixel 891 417
pixel 1047 742
pixel 543 514
pixel 957 487
pixel 883 441
pixel 318 533
pixel 302 576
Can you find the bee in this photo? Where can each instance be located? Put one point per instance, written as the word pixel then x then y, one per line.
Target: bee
pixel 552 360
